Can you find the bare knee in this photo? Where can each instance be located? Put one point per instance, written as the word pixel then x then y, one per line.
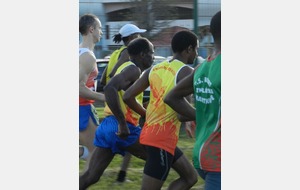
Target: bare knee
pixel 192 179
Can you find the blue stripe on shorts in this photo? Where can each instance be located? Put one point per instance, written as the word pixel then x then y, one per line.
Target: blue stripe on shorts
pixel 85 112
pixel 106 135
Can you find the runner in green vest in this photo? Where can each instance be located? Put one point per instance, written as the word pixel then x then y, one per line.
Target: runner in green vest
pixel 205 84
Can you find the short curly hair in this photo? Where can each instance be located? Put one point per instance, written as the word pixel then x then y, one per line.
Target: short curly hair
pixel 215 26
pixel 138 45
pixel 182 40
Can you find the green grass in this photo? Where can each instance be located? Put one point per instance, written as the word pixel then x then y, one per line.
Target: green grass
pixel 136 166
pixel 135 171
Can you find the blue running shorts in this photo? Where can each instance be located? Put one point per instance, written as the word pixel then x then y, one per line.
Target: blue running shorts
pixel 212 179
pixel 106 135
pixel 85 112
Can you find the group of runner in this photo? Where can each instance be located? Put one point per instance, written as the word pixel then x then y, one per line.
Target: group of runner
pixel 128 74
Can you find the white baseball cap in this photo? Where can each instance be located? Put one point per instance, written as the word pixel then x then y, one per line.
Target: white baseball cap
pixel 129 29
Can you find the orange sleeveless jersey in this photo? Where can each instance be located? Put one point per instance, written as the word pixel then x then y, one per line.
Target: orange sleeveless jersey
pixel 161 128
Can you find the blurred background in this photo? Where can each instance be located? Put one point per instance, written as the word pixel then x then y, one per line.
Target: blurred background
pixel 161 18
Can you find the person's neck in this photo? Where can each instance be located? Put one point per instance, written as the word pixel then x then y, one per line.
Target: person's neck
pixel 87 43
pixel 137 63
pixel 179 57
pixel 216 50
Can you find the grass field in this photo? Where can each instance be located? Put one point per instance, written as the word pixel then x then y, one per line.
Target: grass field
pixel 136 166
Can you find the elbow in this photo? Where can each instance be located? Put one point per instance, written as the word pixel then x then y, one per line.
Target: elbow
pixel 107 89
pixel 167 100
pixel 182 118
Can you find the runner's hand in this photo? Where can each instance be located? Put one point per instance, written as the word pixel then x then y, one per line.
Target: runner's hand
pixel 123 132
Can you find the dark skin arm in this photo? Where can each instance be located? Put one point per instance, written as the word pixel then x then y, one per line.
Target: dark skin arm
pixel 138 87
pixel 120 82
pixel 189 127
pixel 181 75
pixel 175 98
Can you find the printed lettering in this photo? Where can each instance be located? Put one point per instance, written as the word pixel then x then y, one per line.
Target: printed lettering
pixel 204 90
pixel 205 100
pixel 207 81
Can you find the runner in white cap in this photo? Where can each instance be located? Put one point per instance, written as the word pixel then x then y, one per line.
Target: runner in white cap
pixel 129 29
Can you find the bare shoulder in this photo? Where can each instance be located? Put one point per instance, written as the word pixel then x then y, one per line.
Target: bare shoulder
pixel 87 59
pixel 124 55
pixel 188 69
pixel 132 71
pixel 185 71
